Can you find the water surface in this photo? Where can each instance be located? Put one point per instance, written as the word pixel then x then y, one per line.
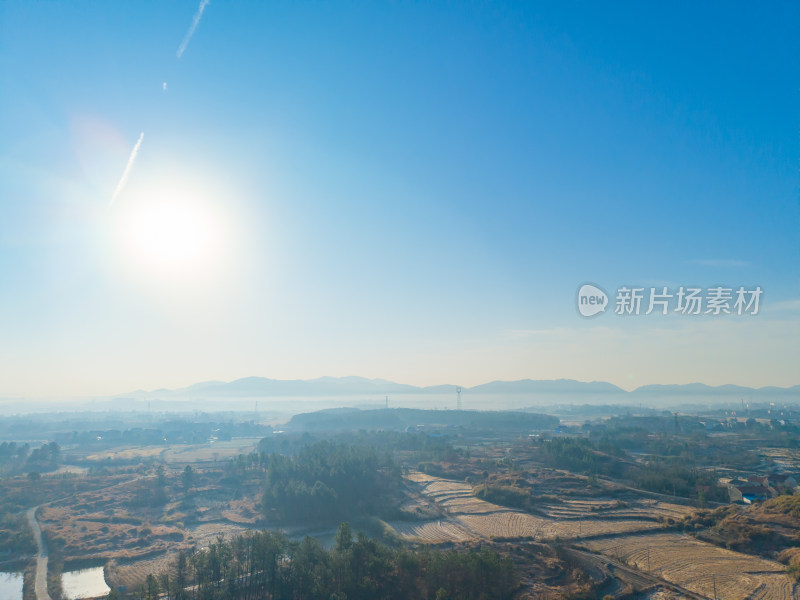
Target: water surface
pixel 10 586
pixel 85 583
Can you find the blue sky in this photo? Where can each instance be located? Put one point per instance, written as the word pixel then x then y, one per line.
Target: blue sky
pixel 412 191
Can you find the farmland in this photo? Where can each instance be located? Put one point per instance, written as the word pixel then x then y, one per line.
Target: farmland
pixel 677 558
pixel 571 529
pixel 469 517
pixel 699 566
pixel 130 574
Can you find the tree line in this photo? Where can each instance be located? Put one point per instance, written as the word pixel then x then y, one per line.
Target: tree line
pixel 268 566
pixel 664 475
pixel 15 459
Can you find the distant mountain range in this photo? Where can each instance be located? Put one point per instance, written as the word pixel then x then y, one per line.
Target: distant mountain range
pixel 715 390
pixel 346 386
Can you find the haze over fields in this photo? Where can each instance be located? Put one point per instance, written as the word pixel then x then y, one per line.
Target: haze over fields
pixel 295 396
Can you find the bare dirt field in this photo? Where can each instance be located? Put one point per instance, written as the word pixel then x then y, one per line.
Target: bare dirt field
pixel 699 566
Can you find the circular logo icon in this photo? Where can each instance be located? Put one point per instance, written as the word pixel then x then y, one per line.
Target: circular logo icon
pixel 591 300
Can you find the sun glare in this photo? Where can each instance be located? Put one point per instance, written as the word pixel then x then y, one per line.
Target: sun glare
pixel 171 235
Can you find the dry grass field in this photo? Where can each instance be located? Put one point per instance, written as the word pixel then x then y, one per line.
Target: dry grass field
pixel 119 522
pixel 127 453
pixel 209 453
pixel 114 533
pixel 134 573
pixel 101 524
pixel 662 594
pixel 242 511
pixel 181 453
pixel 699 566
pixel 207 533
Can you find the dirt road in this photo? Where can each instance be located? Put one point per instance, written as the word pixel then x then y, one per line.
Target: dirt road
pixel 40 586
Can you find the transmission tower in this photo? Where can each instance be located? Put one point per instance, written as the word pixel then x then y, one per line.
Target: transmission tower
pixel 458 401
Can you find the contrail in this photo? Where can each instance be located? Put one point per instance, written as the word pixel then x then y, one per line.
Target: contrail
pixel 195 22
pixel 127 170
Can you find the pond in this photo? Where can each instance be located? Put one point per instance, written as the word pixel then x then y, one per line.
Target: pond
pixel 85 583
pixel 10 586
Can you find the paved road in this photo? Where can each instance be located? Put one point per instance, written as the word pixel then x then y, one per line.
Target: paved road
pixel 40 585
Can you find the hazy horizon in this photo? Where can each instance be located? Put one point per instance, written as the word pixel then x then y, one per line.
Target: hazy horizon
pixel 218 395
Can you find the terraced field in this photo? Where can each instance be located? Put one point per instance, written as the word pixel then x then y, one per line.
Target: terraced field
pixel 434 532
pixel 472 518
pixel 642 508
pixel 699 566
pixel 785 457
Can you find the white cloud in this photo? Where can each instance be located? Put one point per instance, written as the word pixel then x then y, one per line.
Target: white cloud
pixel 127 171
pixel 195 22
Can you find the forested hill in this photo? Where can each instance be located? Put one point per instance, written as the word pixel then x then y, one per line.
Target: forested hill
pixel 327 482
pixel 399 419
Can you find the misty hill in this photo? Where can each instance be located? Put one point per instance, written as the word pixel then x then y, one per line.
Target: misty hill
pixel 399 419
pixel 546 386
pixel 263 387
pixel 701 389
pixel 322 386
pixel 339 386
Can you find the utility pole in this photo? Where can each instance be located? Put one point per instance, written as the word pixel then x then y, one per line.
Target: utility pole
pixel 715 585
pixel 648 559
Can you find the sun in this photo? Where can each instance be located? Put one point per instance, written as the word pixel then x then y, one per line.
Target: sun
pixel 175 234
